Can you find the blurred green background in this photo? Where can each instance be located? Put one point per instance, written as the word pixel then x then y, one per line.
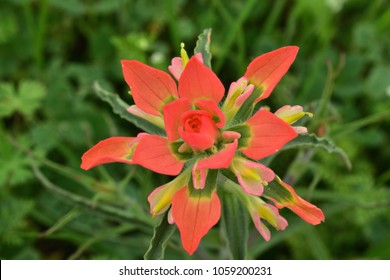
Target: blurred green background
pixel 52 51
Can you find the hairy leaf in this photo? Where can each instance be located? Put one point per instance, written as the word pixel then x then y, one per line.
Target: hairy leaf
pixel 162 233
pixel 311 140
pixel 234 224
pixel 203 46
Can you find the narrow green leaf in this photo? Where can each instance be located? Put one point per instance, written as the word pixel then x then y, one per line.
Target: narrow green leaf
pixel 203 46
pixel 316 244
pixel 162 233
pixel 120 108
pixel 113 212
pixel 62 222
pixel 106 234
pixel 234 225
pixel 311 140
pixel 294 228
pixel 351 127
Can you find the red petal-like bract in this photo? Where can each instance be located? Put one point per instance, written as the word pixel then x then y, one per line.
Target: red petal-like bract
pixel 268 134
pixel 172 117
pixel 212 107
pixel 266 70
pixel 195 214
pixel 176 67
pixel 198 141
pixel 198 129
pixel 307 211
pixel 154 152
pixel 220 160
pixel 199 82
pixel 151 88
pixel 114 149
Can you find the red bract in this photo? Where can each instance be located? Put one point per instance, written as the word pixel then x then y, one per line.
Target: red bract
pixel 266 70
pixel 202 137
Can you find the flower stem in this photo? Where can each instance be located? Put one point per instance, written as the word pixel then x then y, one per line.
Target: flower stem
pixel 101 236
pixel 355 125
pixel 322 108
pixel 237 25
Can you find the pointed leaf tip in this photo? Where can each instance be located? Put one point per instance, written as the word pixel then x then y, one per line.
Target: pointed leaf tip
pixel 162 233
pixel 311 140
pixel 203 46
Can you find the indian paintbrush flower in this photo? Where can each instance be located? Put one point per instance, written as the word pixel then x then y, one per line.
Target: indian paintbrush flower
pixel 204 136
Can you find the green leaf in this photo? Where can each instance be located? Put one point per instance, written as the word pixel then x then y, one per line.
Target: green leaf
pixel 234 224
pixel 26 100
pixel 113 212
pixel 316 243
pixel 62 221
pixel 203 46
pixel 162 233
pixel 14 164
pixel 13 218
pixel 377 83
pixel 311 140
pixel 120 108
pixel 71 7
pixel 6 99
pixel 8 25
pixel 30 95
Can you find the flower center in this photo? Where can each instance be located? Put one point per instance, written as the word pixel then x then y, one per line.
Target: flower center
pixel 193 124
pixel 195 120
pixel 198 129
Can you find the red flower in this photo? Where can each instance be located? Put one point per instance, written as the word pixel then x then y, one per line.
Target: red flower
pixel 204 138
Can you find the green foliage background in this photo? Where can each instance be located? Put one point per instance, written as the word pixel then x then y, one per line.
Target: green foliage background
pixel 52 51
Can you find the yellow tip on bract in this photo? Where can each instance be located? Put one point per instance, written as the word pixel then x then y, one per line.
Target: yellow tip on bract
pixel 293 118
pixel 184 55
pixel 309 114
